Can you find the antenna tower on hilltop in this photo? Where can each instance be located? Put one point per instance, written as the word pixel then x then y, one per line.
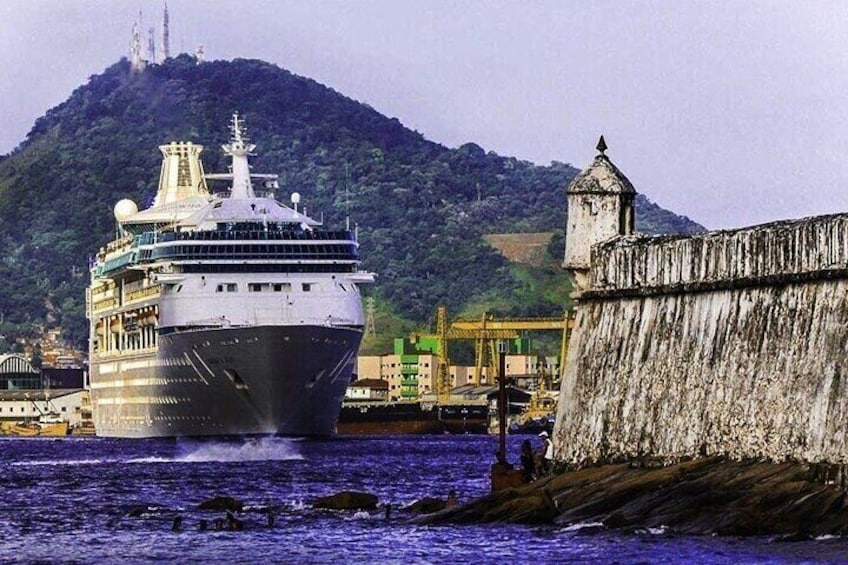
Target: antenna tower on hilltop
pixel 166 35
pixel 151 44
pixel 137 63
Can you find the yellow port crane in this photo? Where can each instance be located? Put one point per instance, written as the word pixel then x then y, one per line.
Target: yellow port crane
pixel 489 323
pixel 485 332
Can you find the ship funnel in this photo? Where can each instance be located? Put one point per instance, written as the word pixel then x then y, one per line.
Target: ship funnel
pixel 182 173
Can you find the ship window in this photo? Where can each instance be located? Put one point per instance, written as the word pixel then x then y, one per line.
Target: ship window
pixel 307 287
pixel 282 287
pixel 231 287
pixel 258 287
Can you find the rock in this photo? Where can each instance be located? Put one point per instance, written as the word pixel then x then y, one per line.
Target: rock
pixel 140 510
pixel 699 497
pixel 616 520
pixel 347 500
pixel 797 536
pixel 427 505
pixel 528 506
pixel 136 511
pixel 220 503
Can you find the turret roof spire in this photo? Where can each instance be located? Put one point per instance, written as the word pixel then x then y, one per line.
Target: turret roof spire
pixel 601 177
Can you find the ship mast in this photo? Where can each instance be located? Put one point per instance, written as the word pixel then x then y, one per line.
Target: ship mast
pixel 239 149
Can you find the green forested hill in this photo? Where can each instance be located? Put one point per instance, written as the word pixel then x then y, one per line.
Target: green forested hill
pixel 421 208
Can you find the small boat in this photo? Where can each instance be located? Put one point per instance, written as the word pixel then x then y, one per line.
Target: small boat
pixel 539 416
pixel 533 426
pixel 49 424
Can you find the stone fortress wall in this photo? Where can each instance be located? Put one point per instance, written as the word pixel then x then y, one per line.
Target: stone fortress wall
pixel 725 343
pixel 777 253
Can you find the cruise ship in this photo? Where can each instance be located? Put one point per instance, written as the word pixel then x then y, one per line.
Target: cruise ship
pixel 222 312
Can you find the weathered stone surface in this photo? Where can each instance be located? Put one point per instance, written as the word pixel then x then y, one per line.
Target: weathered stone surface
pixel 723 343
pixel 347 500
pixel 730 343
pixel 703 496
pixel 728 347
pixel 809 249
pixel 755 372
pixel 221 503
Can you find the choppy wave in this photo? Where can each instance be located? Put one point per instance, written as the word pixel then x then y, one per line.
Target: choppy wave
pixel 583 526
pixel 66 499
pixel 58 462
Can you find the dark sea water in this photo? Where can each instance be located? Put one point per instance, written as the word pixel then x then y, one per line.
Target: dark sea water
pixel 101 500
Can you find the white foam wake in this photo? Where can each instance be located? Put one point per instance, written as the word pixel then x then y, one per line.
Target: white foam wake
pixel 263 449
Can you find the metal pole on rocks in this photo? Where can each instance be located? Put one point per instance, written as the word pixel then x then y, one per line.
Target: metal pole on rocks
pixel 503 475
pixel 502 400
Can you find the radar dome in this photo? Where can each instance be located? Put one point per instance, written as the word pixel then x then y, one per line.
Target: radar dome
pixel 295 197
pixel 124 209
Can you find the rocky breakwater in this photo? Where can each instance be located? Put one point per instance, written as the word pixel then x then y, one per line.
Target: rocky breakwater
pixel 708 495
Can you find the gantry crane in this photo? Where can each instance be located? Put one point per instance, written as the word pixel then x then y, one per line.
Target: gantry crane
pixel 488 322
pixel 445 333
pixel 485 332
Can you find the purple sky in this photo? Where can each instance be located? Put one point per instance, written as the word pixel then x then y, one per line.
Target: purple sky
pixel 730 112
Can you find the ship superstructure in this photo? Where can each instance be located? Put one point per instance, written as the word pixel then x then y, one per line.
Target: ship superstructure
pixel 221 313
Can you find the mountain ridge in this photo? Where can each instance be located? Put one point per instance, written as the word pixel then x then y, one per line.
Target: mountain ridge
pixel 422 209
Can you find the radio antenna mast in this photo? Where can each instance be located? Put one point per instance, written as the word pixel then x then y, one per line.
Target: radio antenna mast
pixel 347 197
pixel 166 35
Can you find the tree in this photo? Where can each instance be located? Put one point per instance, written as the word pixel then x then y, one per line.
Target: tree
pixel 37 360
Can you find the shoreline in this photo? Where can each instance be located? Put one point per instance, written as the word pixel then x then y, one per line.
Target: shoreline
pixel 705 496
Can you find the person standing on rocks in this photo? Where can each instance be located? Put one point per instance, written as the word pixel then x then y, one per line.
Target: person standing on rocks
pixel 547 454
